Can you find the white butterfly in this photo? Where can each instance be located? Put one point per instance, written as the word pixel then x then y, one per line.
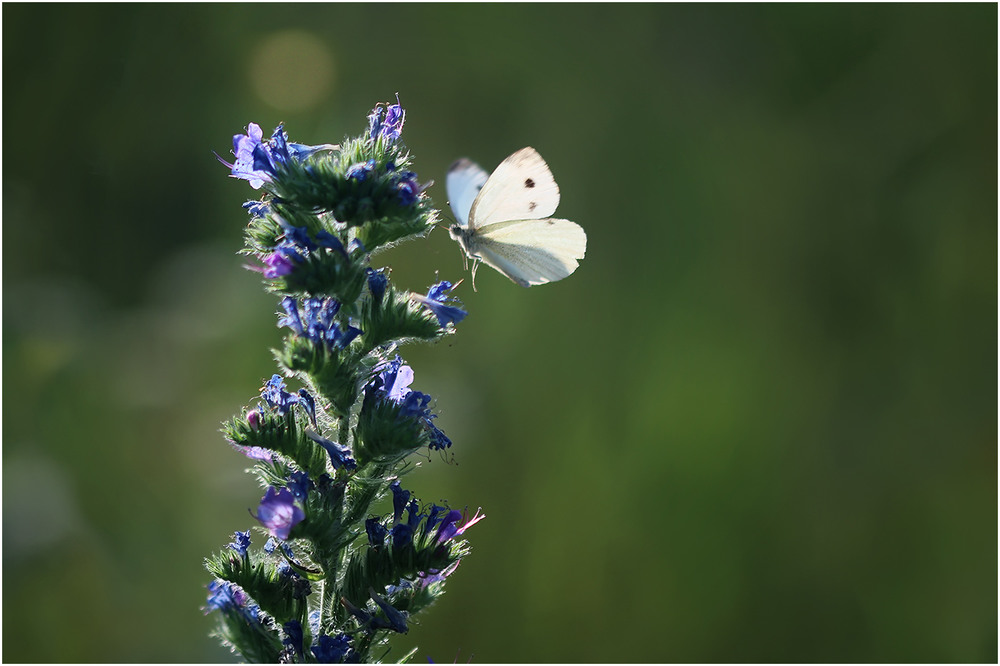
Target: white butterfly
pixel 503 219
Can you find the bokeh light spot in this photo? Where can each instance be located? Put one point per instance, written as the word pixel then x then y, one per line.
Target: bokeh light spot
pixel 292 70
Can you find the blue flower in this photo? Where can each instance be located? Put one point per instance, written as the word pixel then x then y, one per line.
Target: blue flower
pixel 309 404
pixel 325 239
pixel 300 484
pixel 438 302
pixel 298 236
pixel 276 396
pixel 279 513
pixel 257 208
pixel 361 171
pixel 340 455
pixel 407 188
pixel 257 161
pixel 231 599
pixel 241 541
pixel 293 636
pixel 392 384
pixel 402 536
pixel 386 122
pixel 273 545
pixel 396 618
pixel 377 283
pixel 329 650
pixel 315 319
pixel 363 616
pixel 399 499
pixel 432 516
pixel 376 532
pixel 402 533
pixel 299 240
pixel 282 151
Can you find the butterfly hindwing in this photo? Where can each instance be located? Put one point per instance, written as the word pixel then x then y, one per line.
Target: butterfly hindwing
pixel 465 180
pixel 532 252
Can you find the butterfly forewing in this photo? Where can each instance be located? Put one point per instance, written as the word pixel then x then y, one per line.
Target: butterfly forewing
pixel 464 181
pixel 521 188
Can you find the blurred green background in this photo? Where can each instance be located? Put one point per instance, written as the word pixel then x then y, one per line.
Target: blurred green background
pixel 758 424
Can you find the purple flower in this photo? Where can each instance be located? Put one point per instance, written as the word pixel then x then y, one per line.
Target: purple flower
pixel 280 262
pixel 279 513
pixel 253 161
pixel 438 302
pixel 229 598
pixel 252 452
pixel 449 525
pixel 429 578
pixel 394 116
pixel 386 122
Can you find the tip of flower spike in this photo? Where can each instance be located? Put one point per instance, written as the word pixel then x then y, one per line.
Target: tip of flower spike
pixel 387 122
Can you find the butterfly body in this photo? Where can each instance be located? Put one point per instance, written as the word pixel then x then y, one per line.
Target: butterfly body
pixel 503 220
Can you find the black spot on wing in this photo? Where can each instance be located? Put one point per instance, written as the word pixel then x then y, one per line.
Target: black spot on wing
pixel 529 183
pixel 532 205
